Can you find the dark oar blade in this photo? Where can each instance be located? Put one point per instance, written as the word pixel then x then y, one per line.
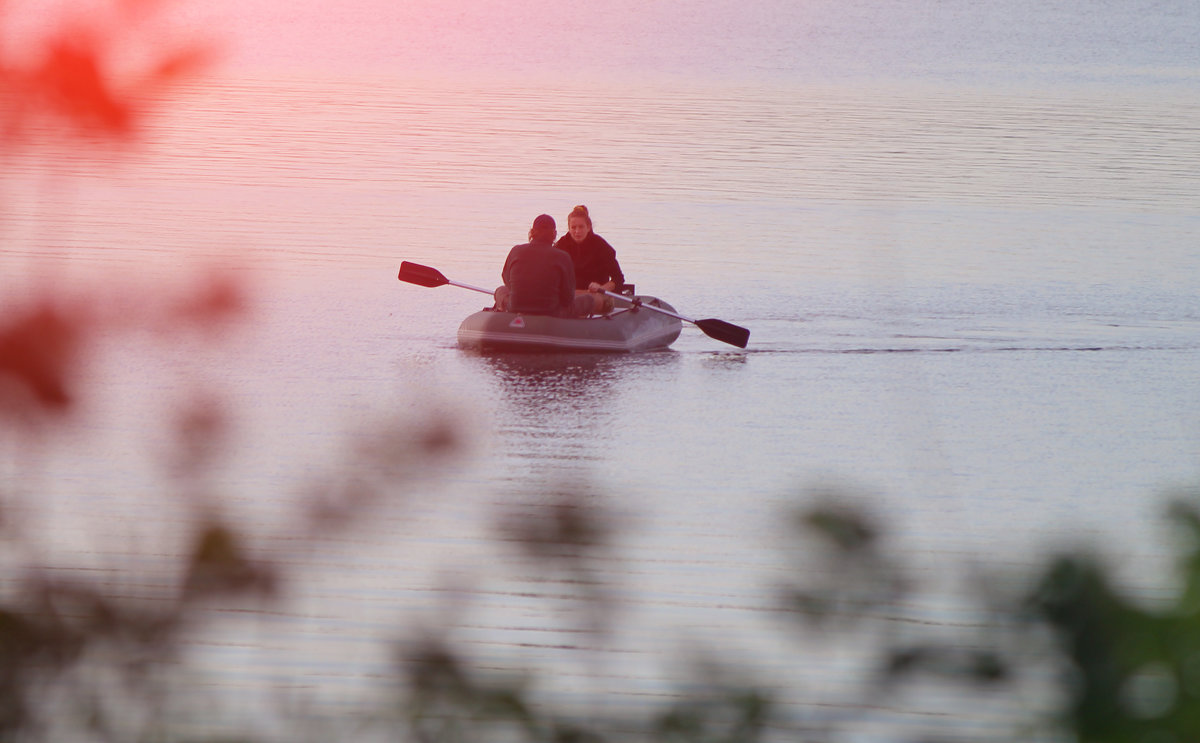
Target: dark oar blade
pixel 724 331
pixel 415 273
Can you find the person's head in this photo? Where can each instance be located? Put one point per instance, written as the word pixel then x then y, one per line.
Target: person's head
pixel 543 230
pixel 579 223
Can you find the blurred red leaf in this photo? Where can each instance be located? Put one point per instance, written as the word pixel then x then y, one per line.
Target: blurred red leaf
pixel 180 63
pixel 219 298
pixel 73 82
pixel 81 74
pixel 37 351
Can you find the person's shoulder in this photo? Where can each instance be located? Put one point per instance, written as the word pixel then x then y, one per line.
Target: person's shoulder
pixel 601 242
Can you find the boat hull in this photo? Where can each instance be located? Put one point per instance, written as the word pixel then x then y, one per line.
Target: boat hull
pixel 627 329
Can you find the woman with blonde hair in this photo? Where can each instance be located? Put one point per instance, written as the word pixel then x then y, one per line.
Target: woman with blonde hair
pixel 596 267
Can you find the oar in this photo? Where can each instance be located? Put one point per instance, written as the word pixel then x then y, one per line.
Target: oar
pixel 723 331
pixel 415 273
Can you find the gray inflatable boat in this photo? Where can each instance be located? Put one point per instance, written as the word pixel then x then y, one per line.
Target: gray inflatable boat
pixel 636 323
pixel 629 328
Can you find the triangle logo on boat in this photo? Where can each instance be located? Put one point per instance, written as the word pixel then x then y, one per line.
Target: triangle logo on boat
pixel 518 322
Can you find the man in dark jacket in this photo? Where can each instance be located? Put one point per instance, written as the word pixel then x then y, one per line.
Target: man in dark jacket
pixel 538 278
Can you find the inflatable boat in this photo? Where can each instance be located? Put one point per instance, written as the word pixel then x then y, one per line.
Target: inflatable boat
pixel 629 328
pixel 636 323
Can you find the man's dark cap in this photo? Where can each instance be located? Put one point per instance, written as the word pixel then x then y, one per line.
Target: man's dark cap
pixel 544 222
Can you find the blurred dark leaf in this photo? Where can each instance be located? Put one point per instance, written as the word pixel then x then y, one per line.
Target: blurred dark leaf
pixel 220 566
pixel 567 527
pixel 809 604
pixel 567 733
pixel 848 529
pixel 948 662
pixel 200 429
pixel 448 703
pixel 847 576
pixel 400 448
pixel 1111 643
pixel 722 716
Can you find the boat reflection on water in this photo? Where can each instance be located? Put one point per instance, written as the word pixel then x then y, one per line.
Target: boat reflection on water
pixel 556 500
pixel 550 388
pixel 558 412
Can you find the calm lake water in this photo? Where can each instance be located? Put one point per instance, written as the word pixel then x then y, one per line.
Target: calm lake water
pixel 970 271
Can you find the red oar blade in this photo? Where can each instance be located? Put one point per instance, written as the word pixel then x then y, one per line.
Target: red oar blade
pixel 415 273
pixel 732 334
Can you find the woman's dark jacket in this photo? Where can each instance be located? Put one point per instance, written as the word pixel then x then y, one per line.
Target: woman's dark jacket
pixel 594 259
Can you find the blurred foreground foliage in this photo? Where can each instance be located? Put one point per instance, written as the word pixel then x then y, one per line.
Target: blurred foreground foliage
pixel 85 658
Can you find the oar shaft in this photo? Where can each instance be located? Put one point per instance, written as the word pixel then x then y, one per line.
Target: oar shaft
pixel 713 328
pixel 622 297
pixel 468 286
